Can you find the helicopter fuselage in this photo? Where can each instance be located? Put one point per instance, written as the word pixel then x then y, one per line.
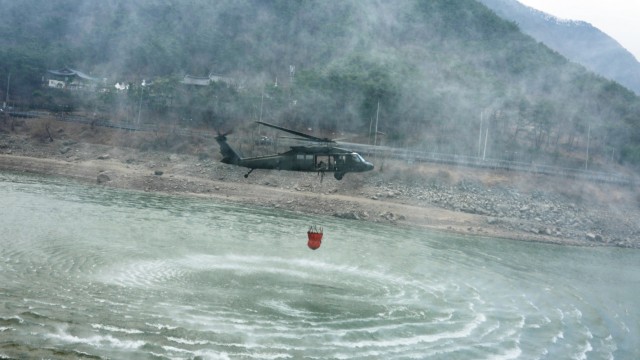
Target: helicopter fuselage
pixel 300 158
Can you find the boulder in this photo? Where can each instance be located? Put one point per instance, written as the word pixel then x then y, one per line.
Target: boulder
pixel 593 237
pixel 389 216
pixel 347 215
pixel 103 178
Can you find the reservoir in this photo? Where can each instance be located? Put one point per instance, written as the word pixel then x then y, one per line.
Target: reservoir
pixel 96 273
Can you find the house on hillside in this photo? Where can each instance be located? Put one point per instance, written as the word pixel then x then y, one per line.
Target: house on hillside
pixel 219 78
pixel 121 86
pixel 195 80
pixel 67 78
pixel 206 81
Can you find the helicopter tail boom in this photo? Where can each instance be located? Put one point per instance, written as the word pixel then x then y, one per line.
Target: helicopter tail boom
pixel 229 156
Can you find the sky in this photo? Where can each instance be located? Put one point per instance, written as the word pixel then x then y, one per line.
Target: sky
pixel 619 19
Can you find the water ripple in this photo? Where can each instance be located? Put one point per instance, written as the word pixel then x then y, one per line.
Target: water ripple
pixel 341 307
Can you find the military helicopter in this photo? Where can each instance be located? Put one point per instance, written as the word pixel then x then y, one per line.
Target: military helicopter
pixel 320 158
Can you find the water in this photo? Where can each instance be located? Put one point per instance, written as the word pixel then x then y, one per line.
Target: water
pixel 89 272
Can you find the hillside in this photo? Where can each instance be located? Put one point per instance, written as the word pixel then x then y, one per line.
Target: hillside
pixel 440 75
pixel 577 40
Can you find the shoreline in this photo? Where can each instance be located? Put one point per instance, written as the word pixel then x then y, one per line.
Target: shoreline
pixel 185 178
pixel 465 201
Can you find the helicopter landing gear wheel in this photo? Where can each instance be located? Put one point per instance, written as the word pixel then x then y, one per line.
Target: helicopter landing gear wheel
pixel 247 174
pixel 338 175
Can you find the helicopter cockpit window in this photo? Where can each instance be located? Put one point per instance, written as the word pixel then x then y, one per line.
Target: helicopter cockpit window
pixel 356 158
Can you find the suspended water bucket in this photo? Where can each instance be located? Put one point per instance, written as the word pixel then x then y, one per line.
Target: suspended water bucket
pixel 315 237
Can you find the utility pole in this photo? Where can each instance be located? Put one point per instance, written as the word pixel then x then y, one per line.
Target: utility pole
pixel 375 135
pixel 480 133
pixel 486 135
pixel 292 72
pixel 6 100
pixel 140 103
pixel 586 161
pixel 261 103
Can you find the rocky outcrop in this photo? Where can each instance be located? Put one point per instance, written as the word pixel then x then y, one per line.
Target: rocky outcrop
pixel 539 212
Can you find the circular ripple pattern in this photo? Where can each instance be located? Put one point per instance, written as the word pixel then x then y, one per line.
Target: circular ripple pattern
pixel 272 307
pixel 117 275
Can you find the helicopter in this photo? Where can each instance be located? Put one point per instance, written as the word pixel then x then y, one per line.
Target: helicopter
pixel 320 158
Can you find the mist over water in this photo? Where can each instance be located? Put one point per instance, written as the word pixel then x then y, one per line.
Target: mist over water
pixel 102 273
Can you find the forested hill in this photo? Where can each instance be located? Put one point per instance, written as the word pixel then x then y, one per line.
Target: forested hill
pixel 577 40
pixel 439 71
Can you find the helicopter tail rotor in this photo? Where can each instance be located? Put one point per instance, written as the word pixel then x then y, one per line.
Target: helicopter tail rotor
pixel 223 135
pixel 229 156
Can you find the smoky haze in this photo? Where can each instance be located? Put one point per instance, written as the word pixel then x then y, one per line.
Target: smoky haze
pixel 437 74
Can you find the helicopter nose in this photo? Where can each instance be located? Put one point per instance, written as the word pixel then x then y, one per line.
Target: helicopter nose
pixel 368 166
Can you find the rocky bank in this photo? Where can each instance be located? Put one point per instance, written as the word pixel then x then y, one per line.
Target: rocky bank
pixel 444 198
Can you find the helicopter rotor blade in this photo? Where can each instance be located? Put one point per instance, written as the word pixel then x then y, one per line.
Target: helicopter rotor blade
pixel 296 138
pixel 297 133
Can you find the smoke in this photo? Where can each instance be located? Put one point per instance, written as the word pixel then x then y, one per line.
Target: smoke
pixel 434 74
